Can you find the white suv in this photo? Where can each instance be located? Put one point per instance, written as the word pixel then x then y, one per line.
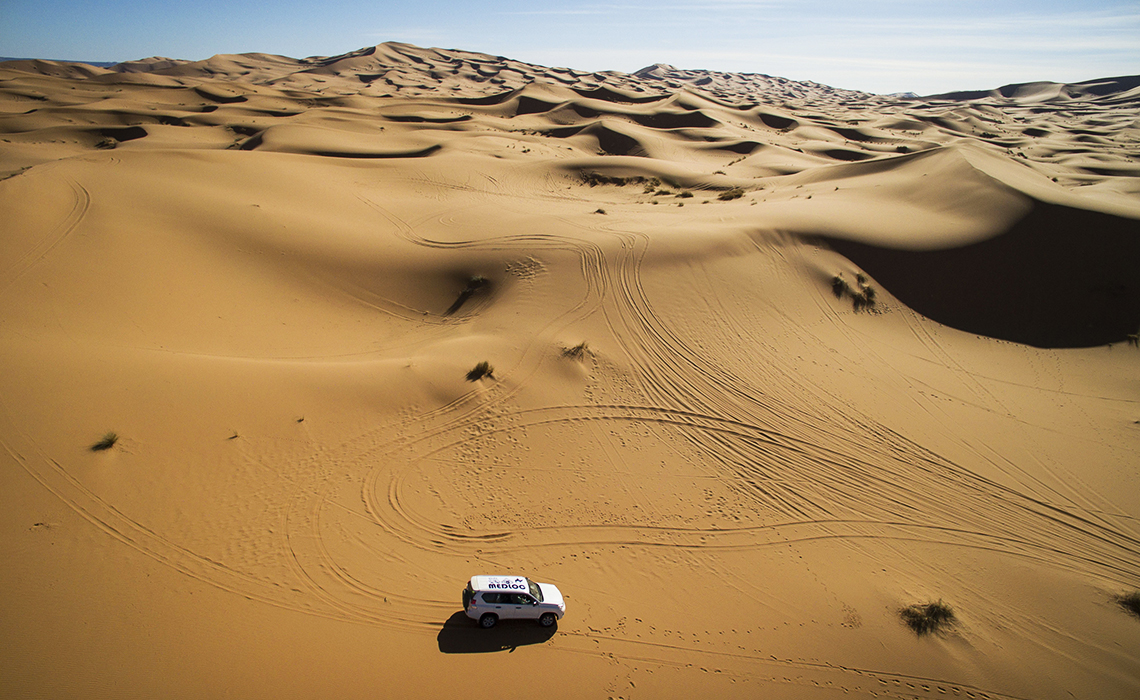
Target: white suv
pixel 489 599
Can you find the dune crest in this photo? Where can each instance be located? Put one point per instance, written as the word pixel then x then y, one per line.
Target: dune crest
pixel 758 372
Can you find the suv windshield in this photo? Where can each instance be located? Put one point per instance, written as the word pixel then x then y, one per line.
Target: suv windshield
pixel 534 590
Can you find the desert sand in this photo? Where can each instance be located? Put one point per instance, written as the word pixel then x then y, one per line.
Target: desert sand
pixel 771 361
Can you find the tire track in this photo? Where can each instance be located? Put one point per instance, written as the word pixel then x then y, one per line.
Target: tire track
pixel 860 492
pixel 81 203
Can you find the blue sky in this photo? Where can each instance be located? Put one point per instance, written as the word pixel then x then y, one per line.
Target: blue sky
pixel 874 45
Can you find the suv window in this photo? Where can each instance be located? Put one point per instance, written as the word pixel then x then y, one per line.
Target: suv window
pixel 493 598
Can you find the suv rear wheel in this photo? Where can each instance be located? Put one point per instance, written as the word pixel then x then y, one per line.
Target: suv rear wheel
pixel 488 620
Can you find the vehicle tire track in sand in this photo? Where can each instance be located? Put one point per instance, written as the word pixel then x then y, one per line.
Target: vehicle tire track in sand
pixel 70 491
pixel 850 679
pixel 679 363
pixel 309 556
pixel 866 494
pixel 81 203
pixel 332 583
pixel 323 583
pixel 872 497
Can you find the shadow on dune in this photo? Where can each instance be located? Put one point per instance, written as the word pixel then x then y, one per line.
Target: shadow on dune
pixel 1059 278
pixel 675 120
pixel 613 142
pixel 607 95
pixel 475 285
pixel 462 635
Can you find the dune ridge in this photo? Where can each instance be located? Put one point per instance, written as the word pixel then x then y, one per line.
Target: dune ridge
pixel 772 362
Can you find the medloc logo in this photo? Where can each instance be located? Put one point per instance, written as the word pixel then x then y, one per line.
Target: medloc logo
pixel 517 585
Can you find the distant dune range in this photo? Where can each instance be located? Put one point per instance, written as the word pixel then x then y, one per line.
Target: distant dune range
pixel 1067 293
pixel 766 362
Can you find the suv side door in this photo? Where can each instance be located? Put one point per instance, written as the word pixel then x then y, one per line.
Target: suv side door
pixel 524 606
pixel 493 602
pixel 509 606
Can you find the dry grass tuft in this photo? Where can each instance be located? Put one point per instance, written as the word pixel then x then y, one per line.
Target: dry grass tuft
pixel 927 618
pixel 483 369
pixel 862 299
pixel 839 287
pixel 577 352
pixel 106 443
pixel 1130 602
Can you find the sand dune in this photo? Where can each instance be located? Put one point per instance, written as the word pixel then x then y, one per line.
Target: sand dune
pixel 836 354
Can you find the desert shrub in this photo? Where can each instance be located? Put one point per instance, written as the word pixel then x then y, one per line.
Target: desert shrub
pixel 106 443
pixel 839 286
pixel 729 195
pixel 684 195
pixel 595 179
pixel 483 369
pixel 577 351
pixel 865 299
pixel 474 284
pixel 927 618
pixel 599 211
pixel 862 299
pixel 1130 602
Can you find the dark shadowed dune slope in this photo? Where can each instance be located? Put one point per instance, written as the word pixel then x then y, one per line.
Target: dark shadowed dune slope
pixel 1059 278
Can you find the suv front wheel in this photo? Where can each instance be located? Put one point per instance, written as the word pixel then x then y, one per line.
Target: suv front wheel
pixel 488 620
pixel 547 620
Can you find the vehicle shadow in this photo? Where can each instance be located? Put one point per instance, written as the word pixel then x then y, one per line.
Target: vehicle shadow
pixel 462 635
